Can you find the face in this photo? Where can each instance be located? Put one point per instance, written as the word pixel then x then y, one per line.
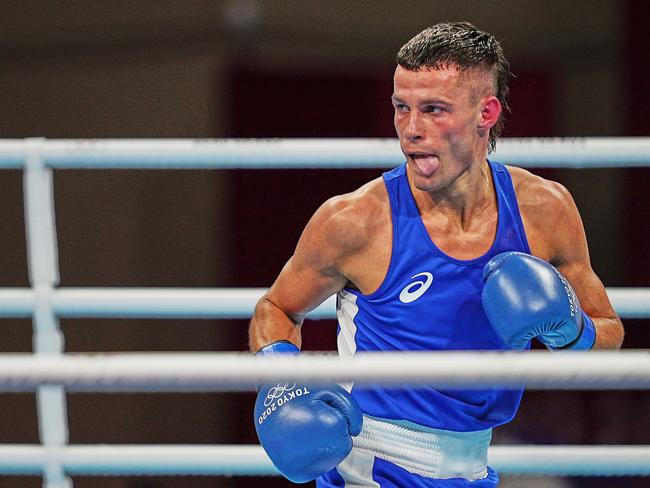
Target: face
pixel 442 121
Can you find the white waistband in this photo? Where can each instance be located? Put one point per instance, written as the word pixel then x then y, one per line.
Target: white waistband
pixel 433 453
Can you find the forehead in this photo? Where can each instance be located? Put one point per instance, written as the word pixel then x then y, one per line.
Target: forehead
pixel 445 81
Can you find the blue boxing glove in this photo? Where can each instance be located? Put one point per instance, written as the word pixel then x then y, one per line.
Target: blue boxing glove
pixel 526 297
pixel 305 430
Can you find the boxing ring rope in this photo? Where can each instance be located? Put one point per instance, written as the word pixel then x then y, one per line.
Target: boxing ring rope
pixel 247 460
pixel 213 372
pixel 46 303
pixel 589 152
pixel 209 303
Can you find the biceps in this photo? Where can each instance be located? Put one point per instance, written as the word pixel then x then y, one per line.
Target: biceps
pixel 573 262
pixel 301 287
pixel 590 290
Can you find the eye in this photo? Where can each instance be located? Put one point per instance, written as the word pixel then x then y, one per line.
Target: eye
pixel 400 107
pixel 434 109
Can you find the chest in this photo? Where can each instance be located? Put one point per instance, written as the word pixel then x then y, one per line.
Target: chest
pixel 463 242
pixel 417 243
pixel 540 240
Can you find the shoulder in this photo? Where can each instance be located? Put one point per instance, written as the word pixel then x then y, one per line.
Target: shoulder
pixel 538 198
pixel 550 216
pixel 352 218
pixel 346 224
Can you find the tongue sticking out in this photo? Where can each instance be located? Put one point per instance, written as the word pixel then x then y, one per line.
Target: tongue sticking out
pixel 427 164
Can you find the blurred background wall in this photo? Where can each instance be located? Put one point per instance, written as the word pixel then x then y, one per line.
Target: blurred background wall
pixel 254 68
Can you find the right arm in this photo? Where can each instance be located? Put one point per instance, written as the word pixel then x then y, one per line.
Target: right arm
pixel 314 431
pixel 312 274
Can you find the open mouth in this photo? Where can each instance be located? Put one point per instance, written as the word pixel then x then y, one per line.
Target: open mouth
pixel 426 163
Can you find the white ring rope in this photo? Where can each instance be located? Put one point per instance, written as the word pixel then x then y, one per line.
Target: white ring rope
pixel 211 303
pixel 239 372
pixel 311 153
pixel 231 372
pixel 251 460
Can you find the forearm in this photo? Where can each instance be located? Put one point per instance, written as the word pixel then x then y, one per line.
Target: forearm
pixel 609 333
pixel 271 324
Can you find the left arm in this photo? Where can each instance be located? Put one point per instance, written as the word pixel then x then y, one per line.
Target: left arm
pixel 535 296
pixel 570 255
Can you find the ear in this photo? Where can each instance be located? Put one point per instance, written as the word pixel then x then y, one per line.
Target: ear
pixel 490 113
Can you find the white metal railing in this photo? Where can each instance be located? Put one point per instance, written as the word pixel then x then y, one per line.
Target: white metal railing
pixel 44 302
pixel 43 266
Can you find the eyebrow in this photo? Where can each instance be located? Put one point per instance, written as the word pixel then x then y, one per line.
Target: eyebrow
pixel 434 101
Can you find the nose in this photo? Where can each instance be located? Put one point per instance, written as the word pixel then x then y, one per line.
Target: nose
pixel 413 130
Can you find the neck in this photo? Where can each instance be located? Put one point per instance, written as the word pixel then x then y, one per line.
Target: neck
pixel 470 193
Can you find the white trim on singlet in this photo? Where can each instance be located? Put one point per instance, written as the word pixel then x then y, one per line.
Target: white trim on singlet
pixel 346 311
pixel 356 470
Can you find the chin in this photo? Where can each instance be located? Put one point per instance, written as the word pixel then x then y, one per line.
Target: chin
pixel 429 184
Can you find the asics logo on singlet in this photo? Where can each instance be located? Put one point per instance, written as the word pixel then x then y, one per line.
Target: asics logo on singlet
pixel 277 392
pixel 415 290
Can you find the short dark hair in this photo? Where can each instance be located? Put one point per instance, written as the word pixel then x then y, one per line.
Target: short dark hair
pixel 463 45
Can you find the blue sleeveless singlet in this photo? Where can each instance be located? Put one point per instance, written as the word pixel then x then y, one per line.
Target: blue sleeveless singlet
pixel 431 301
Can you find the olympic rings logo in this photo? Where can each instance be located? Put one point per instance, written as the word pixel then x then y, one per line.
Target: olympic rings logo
pixel 277 392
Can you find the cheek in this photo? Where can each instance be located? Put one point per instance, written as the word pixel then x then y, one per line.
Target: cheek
pixel 450 133
pixel 457 132
pixel 459 139
pixel 399 121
